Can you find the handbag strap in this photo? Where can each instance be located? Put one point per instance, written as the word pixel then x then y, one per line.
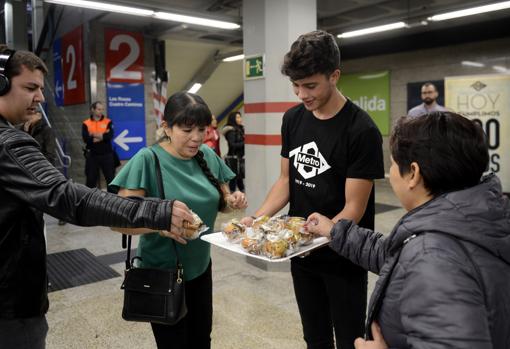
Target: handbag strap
pixel 161 190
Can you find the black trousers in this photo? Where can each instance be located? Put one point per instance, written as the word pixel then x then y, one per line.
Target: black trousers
pixel 29 333
pixel 236 164
pixel 331 294
pixel 194 331
pixel 94 163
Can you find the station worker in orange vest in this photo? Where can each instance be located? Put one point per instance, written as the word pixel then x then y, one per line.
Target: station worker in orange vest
pixel 97 133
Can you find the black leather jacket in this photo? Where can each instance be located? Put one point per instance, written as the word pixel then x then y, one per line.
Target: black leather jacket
pixel 30 185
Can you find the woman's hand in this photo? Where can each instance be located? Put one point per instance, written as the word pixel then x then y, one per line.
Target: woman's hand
pixel 377 343
pixel 236 200
pixel 319 224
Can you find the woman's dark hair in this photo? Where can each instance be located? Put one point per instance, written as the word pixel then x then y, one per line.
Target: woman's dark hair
pixel 190 110
pixel 232 118
pixel 450 149
pixel 312 53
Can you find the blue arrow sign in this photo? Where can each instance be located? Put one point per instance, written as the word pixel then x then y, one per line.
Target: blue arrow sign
pixel 126 108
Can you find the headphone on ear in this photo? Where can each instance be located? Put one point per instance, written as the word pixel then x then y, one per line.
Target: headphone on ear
pixel 5 84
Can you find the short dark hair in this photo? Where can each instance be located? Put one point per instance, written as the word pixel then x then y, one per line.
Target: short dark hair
pixel 312 53
pixel 450 149
pixel 429 84
pixel 20 59
pixel 94 105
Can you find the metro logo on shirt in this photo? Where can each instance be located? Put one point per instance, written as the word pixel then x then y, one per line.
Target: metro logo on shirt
pixel 308 161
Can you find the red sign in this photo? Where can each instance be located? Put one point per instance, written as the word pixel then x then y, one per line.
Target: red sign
pixel 72 67
pixel 124 56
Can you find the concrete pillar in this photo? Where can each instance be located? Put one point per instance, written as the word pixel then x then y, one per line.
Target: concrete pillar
pixel 37 21
pixel 16 35
pixel 269 28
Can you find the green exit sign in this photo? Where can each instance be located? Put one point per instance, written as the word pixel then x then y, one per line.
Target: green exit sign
pixel 254 67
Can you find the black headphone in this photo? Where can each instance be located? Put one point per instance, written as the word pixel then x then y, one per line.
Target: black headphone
pixel 5 84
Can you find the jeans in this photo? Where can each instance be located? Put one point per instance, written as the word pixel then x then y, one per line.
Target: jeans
pixel 331 293
pixel 194 330
pixel 29 333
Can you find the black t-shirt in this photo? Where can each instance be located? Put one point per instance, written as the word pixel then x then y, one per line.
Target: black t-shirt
pixel 323 153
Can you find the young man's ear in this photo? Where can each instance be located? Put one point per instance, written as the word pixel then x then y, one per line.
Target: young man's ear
pixel 335 76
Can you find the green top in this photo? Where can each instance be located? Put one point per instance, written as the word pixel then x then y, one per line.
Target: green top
pixel 185 181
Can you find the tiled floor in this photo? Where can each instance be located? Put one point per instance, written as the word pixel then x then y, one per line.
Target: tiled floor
pixel 253 307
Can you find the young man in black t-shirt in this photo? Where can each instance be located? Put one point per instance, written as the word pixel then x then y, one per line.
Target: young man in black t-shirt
pixel 331 153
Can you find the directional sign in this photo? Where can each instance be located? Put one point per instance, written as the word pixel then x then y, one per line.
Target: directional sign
pixel 126 108
pixel 124 68
pixel 72 67
pixel 254 67
pixel 123 141
pixel 57 73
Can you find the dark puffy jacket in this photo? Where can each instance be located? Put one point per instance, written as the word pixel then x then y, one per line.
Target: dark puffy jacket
pixel 437 293
pixel 235 140
pixel 30 185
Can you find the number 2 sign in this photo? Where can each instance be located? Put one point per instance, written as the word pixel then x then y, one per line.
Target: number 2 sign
pixel 124 56
pixel 72 67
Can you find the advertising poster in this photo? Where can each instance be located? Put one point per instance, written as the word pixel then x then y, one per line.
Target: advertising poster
pixel 125 90
pixel 371 92
pixel 484 98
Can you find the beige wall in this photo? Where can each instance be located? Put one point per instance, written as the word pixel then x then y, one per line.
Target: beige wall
pixel 430 64
pixel 185 58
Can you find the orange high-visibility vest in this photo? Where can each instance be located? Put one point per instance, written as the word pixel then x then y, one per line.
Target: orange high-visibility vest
pixel 99 126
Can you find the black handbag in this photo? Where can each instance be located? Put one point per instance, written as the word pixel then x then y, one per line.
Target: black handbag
pixel 151 294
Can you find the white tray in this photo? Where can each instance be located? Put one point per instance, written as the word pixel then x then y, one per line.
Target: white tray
pixel 219 240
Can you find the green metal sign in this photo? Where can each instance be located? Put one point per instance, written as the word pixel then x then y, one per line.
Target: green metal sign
pixel 254 67
pixel 371 92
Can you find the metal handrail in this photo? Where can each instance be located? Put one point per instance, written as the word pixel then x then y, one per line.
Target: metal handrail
pixel 60 152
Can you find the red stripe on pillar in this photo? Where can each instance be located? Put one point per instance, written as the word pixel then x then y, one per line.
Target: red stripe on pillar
pixel 268 107
pixel 263 139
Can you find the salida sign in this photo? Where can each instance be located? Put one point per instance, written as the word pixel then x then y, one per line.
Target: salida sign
pixel 371 92
pixel 480 98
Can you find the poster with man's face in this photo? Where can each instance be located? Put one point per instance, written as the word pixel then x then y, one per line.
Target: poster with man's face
pixel 414 92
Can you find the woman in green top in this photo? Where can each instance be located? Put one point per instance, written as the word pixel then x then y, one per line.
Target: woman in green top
pixel 194 174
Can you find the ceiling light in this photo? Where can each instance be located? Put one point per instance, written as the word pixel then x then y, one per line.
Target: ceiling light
pixel 500 69
pixel 103 7
pixel 472 64
pixel 371 30
pixel 196 20
pixel 194 89
pixel 233 58
pixel 471 11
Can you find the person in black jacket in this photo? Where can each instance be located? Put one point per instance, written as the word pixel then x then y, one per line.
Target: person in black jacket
pixel 444 269
pixel 234 134
pixel 29 186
